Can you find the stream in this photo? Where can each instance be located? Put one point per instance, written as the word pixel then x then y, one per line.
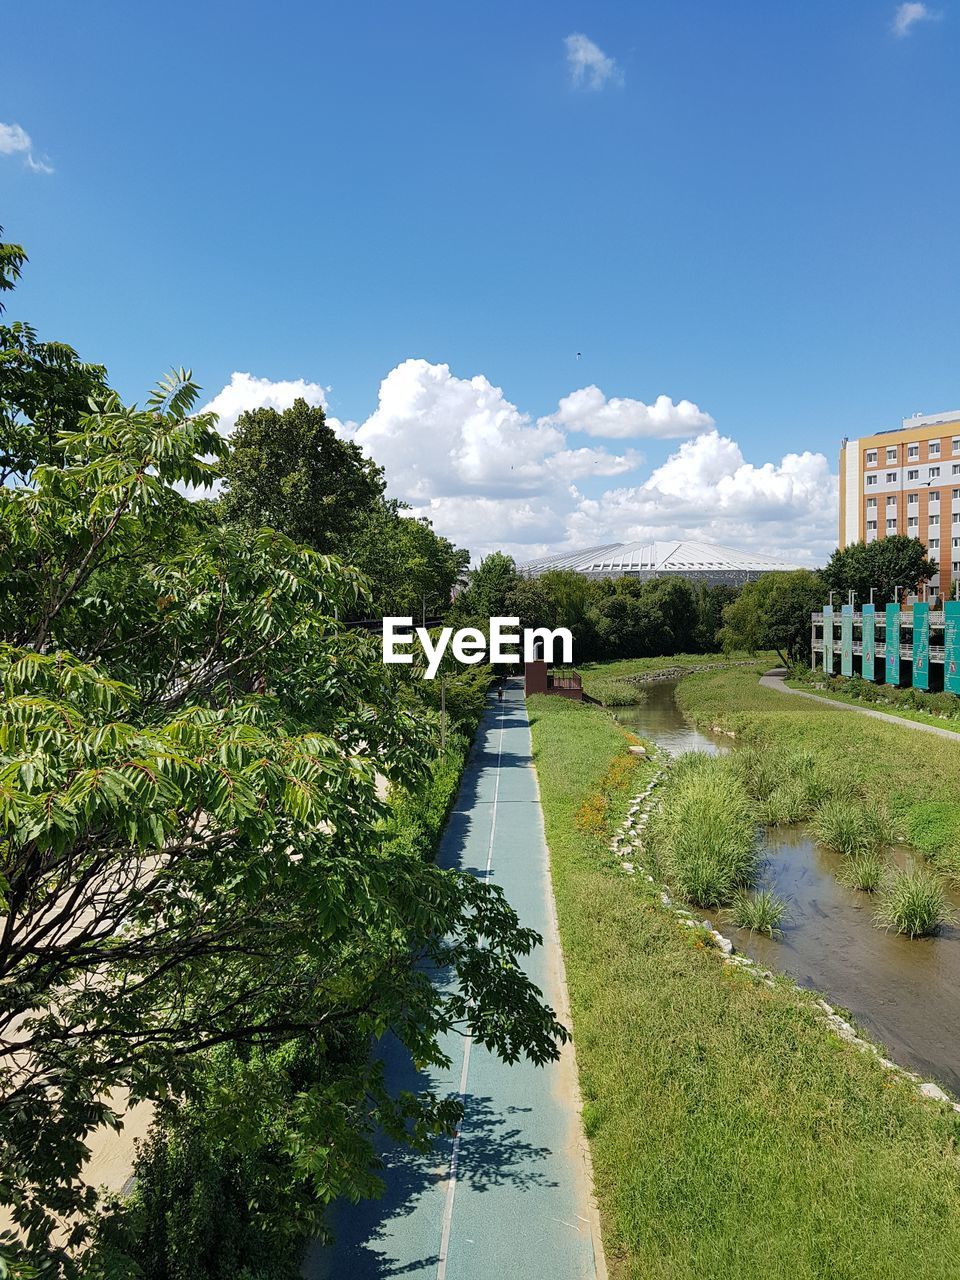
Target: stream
pixel 906 994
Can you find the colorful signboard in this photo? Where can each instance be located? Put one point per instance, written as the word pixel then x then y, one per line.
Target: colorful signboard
pixel 846 640
pixel 869 652
pixel 921 646
pixel 893 644
pixel 828 639
pixel 951 646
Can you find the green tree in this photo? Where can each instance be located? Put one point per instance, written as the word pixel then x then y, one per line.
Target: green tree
pixel 773 612
pixel 884 565
pixel 488 588
pixel 193 854
pixel 290 471
pixel 412 569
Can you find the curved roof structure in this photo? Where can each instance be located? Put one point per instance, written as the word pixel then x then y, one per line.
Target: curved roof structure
pixel 690 559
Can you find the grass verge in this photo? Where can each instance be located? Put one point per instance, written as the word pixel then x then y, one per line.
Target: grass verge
pixel 889 769
pixel 732 1133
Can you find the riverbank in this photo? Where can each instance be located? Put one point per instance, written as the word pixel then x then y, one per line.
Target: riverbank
pixel 732 1133
pixel 914 776
pixel 624 683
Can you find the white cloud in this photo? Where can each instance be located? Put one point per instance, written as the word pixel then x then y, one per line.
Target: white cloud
pixel 707 490
pixel 14 140
pixel 491 477
pixel 590 67
pixel 908 15
pixel 589 410
pixel 244 391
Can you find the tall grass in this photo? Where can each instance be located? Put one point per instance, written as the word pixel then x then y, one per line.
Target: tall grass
pixel 865 872
pixel 788 786
pixel 913 903
pixel 853 828
pixel 613 691
pixel 704 834
pixel 761 912
pixel 863 760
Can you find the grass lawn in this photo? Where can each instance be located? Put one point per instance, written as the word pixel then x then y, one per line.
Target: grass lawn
pixel 620 683
pixel 732 1134
pixel 916 775
pixel 888 708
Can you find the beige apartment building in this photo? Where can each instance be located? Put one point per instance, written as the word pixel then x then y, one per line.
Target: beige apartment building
pixel 906 480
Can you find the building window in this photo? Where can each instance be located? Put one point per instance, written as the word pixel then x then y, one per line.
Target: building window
pixel 934 498
pixel 871 479
pixel 871 526
pixel 913 497
pixel 892 475
pixel 871 460
pixel 933 449
pixel 955 446
pixel 891 526
pixel 913 453
pixel 871 503
pixel 955 469
pixel 933 544
pixel 934 520
pixel 934 473
pixel 913 474
pixel 912 522
pixel 892 453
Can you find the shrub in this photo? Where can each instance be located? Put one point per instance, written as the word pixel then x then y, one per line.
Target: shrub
pixel 840 826
pixel 913 903
pixel 706 830
pixel 763 912
pixel 863 872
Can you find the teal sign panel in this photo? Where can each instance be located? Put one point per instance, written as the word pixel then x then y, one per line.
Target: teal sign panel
pixel 921 646
pixel 951 645
pixel 846 640
pixel 828 638
pixel 893 644
pixel 869 658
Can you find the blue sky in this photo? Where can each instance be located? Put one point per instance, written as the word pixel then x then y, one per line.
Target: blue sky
pixel 745 205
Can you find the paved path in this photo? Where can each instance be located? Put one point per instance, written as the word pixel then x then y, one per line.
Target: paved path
pixel 510 1198
pixel 774 680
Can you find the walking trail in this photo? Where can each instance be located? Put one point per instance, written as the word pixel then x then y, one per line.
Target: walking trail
pixel 774 680
pixel 510 1197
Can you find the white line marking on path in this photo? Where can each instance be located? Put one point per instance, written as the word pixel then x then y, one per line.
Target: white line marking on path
pixel 455 1153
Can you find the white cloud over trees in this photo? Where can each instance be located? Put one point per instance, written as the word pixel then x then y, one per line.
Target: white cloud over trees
pixel 491 476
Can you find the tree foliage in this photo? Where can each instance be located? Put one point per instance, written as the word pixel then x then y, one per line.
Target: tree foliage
pixel 205 903
pixel 773 612
pixel 884 565
pixel 290 470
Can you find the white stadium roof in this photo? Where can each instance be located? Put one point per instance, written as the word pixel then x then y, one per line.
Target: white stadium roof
pixel 658 559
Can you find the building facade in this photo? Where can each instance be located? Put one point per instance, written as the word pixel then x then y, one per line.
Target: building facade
pixel 906 480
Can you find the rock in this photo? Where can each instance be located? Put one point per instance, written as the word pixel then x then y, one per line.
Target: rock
pixel 931 1090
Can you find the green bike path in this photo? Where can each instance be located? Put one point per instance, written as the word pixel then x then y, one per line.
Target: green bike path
pixel 510 1196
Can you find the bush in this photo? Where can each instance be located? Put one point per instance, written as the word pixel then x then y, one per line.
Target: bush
pixel 763 913
pixel 613 691
pixel 864 872
pixel 850 828
pixel 705 830
pixel 913 903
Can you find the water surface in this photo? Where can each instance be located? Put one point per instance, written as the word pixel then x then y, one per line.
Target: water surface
pixel 905 994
